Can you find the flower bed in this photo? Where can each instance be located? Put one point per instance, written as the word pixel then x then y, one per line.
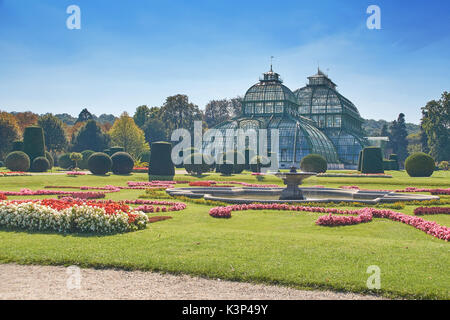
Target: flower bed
pixel 71 215
pixel 433 191
pixel 14 174
pixel 148 205
pixel 3 197
pixel 76 173
pixel 354 175
pixel 140 169
pixel 362 215
pixel 431 210
pixel 81 195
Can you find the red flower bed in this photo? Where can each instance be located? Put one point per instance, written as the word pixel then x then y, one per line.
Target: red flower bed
pixel 3 197
pixel 431 210
pixel 200 184
pixel 362 215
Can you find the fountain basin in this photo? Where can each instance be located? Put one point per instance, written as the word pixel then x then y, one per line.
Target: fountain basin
pixel 240 195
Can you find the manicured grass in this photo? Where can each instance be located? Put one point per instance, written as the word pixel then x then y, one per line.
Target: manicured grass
pixel 276 247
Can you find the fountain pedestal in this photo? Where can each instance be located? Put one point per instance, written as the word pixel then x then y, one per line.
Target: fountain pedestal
pixel 292 180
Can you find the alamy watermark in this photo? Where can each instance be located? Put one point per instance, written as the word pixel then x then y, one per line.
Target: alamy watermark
pixel 74 278
pixel 74 20
pixel 374 20
pixel 374 280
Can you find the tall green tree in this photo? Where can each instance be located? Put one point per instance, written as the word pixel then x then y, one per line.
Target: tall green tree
pixel 9 131
pixel 85 115
pixel 154 130
pixel 90 137
pixel 55 137
pixel 217 111
pixel 177 112
pixel 141 115
pixel 399 142
pixel 436 125
pixel 125 133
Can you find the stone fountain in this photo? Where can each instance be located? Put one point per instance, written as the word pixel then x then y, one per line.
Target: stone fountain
pixel 292 180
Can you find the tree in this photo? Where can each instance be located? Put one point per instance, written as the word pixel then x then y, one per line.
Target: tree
pixel 436 125
pixel 217 111
pixel 55 137
pixel 26 119
pixel 76 157
pixel 9 131
pixel 90 137
pixel 154 130
pixel 398 138
pixel 125 133
pixel 177 112
pixel 141 115
pixel 85 115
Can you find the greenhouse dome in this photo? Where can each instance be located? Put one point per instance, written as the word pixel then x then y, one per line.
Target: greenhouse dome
pixel 333 114
pixel 271 105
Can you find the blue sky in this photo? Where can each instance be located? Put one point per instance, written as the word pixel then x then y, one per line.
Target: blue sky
pixel 130 53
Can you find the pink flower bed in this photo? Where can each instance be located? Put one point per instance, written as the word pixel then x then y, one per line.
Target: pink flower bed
pixel 431 210
pixel 14 174
pixel 79 195
pixel 148 205
pixel 76 173
pixel 406 190
pixel 362 215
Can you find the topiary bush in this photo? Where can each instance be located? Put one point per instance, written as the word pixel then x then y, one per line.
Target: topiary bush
pixel 40 164
pixel 50 159
pixel 259 162
pixel 372 160
pixel 226 168
pixel 313 163
pixel 145 156
pixel 394 165
pixel 160 160
pixel 390 164
pixel 360 161
pixel 17 161
pixel 83 164
pixel 122 163
pixel 17 145
pixel 236 158
pixel 33 142
pixel 107 151
pixel 113 150
pixel 197 168
pixel 419 164
pixel 65 162
pixel 99 163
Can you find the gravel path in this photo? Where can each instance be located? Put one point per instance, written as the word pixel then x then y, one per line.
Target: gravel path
pixel 51 282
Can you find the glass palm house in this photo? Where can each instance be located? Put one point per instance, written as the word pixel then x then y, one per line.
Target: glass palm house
pixel 314 119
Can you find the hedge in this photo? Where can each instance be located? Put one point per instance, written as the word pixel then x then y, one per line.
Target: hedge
pixel 314 163
pixel 122 163
pixel 17 161
pixel 65 162
pixel 372 160
pixel 394 157
pixel 40 164
pixel 83 164
pixel 99 163
pixel 17 145
pixel 160 160
pixel 50 159
pixel 33 142
pixel 113 150
pixel 197 168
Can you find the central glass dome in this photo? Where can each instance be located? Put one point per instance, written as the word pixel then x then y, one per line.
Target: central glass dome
pixel 270 105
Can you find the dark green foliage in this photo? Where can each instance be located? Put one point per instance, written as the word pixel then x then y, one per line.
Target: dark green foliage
pixel 154 130
pixel 50 159
pixel 389 164
pixel 226 168
pixel 372 160
pixel 197 168
pixel 398 136
pixel 360 161
pixel 236 158
pixel 17 161
pixel 145 156
pixel 65 162
pixel 85 115
pixel 40 164
pixel 83 164
pixel 160 160
pixel 55 137
pixel 2 164
pixel 113 150
pixel 33 142
pixel 394 165
pixel 17 145
pixel 99 163
pixel 419 164
pixel 90 137
pixel 313 163
pixel 107 151
pixel 122 163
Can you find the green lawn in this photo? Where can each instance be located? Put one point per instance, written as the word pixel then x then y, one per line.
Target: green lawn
pixel 285 248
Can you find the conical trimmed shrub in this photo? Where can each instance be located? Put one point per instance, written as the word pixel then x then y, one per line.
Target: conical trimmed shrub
pixel 372 160
pixel 161 161
pixel 33 142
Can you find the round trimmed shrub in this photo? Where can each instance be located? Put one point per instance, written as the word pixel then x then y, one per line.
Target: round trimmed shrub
pixel 65 162
pixel 99 163
pixel 17 145
pixel 419 164
pixel 40 164
pixel 313 163
pixel 33 142
pixel 372 160
pixel 122 163
pixel 17 161
pixel 107 151
pixel 259 162
pixel 226 168
pixel 83 164
pixel 160 160
pixel 197 168
pixel 50 159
